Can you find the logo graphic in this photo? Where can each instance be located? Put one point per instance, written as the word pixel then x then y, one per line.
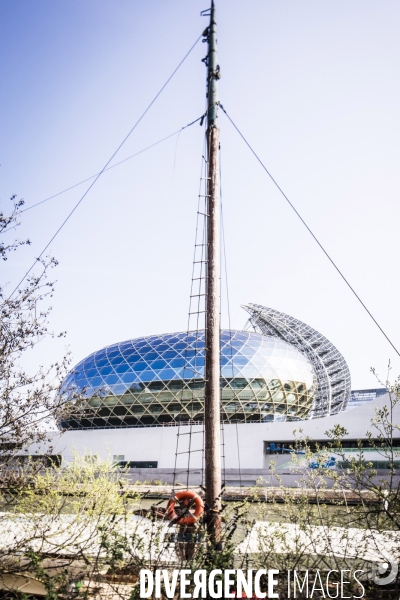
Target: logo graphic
pixel 384 572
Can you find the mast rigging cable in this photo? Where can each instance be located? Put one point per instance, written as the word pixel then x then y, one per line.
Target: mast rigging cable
pixel 225 269
pixel 106 165
pixel 196 307
pixel 309 230
pixel 164 139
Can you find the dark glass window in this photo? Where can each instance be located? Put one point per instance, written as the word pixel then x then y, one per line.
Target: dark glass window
pixel 151 356
pixel 117 360
pixel 140 366
pixel 180 346
pixel 158 364
pixel 122 368
pixel 177 362
pixel 156 386
pixel 106 370
pixel 137 464
pixel 238 384
pixel 258 384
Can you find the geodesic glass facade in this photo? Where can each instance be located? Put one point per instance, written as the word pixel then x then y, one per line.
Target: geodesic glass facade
pixel 159 380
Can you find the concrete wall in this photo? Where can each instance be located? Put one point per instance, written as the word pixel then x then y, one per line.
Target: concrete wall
pixel 160 443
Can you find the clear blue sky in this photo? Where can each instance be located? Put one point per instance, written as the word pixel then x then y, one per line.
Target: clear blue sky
pixel 313 85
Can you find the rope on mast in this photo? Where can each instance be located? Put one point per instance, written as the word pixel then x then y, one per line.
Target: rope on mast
pixel 310 231
pixel 177 132
pixel 106 165
pixel 196 308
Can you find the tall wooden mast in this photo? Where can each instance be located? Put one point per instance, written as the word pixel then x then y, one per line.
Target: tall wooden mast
pixel 212 417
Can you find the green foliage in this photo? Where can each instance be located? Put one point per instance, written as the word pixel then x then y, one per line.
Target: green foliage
pixel 75 529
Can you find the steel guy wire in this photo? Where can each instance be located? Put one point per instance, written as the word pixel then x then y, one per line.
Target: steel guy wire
pixel 223 252
pixel 106 165
pixel 310 231
pixel 228 304
pixel 177 132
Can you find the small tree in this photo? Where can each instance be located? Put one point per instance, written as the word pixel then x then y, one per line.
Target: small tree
pixel 27 399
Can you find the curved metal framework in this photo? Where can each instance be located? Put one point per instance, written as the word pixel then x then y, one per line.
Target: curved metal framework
pixel 159 380
pixel 333 375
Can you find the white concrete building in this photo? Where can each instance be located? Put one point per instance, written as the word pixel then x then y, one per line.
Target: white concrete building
pixel 141 402
pixel 152 450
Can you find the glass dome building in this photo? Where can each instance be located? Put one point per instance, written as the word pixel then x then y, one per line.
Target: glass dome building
pixel 159 380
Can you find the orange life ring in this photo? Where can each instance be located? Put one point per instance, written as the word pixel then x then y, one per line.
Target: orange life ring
pixel 191 517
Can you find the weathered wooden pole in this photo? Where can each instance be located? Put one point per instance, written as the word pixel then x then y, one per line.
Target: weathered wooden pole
pixel 212 416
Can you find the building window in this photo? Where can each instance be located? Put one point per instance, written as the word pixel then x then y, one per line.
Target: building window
pixel 138 464
pixel 118 457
